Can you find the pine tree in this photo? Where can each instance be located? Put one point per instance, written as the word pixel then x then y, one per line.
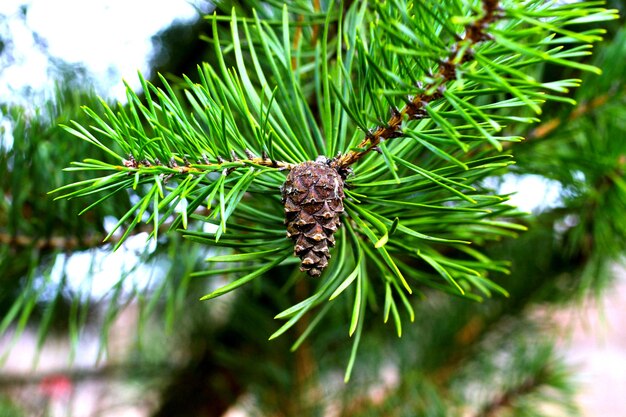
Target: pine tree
pixel 367 134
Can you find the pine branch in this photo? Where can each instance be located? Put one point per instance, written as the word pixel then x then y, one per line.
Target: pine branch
pixel 459 53
pixel 409 214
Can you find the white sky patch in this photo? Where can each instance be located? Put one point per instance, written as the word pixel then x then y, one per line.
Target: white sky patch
pixel 6 132
pixel 112 39
pixel 94 273
pixel 29 67
pixel 531 193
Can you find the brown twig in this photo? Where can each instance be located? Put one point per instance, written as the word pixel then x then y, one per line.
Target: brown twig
pixel 297 35
pixel 544 129
pixel 51 242
pixel 317 6
pixel 507 398
pixel 107 372
pixel 306 390
pixel 415 109
pixel 131 163
pixel 69 243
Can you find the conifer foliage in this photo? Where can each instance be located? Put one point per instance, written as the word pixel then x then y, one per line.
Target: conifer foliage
pixel 379 121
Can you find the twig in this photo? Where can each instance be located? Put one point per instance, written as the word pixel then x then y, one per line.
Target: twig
pixel 50 243
pixel 70 243
pixel 415 108
pixel 584 108
pixel 296 40
pixel 507 398
pixel 119 371
pixel 307 390
pixel 131 164
pixel 297 35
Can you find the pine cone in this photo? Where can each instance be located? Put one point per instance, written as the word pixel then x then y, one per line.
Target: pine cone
pixel 313 198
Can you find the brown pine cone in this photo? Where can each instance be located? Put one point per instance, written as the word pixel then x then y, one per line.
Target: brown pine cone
pixel 313 198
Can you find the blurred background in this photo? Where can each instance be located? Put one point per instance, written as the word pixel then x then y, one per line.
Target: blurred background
pixel 88 332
